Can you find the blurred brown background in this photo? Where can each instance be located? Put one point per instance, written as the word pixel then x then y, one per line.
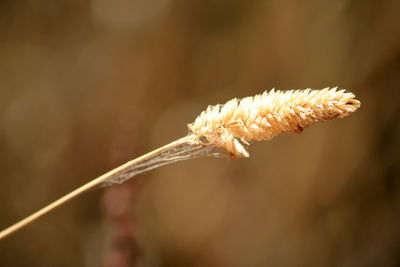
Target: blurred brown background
pixel 87 85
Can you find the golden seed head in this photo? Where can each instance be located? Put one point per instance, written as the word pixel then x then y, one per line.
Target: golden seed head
pixel 261 117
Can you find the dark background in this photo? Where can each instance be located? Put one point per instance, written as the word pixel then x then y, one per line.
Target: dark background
pixel 87 85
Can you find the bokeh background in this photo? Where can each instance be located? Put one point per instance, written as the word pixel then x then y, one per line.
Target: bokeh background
pixel 86 85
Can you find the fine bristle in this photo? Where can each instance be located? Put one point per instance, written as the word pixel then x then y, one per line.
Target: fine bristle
pixel 261 117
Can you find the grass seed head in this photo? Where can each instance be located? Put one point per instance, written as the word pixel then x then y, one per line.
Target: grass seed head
pixel 238 122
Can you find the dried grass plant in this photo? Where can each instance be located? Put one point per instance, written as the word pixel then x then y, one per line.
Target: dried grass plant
pixel 231 126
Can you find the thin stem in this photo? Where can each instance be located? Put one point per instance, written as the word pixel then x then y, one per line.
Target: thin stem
pixel 97 181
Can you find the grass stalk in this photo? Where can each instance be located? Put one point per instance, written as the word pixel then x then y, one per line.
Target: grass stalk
pixel 93 183
pixel 231 126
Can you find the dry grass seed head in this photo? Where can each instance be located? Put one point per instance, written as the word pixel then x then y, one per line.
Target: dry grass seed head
pixel 261 117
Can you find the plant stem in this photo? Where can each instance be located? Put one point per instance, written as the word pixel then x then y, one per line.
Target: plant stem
pixel 97 181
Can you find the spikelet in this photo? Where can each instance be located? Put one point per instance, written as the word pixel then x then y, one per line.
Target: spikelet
pixel 238 122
